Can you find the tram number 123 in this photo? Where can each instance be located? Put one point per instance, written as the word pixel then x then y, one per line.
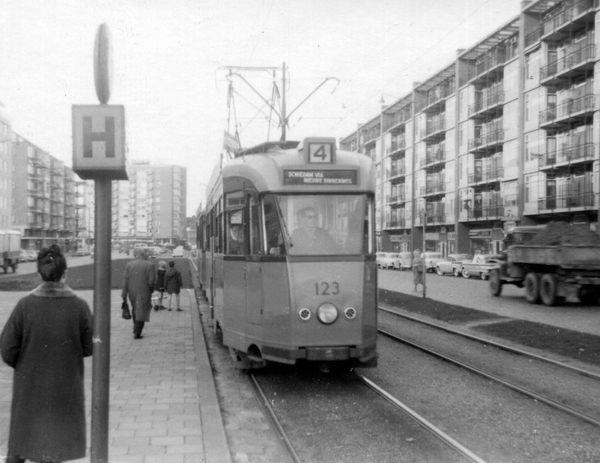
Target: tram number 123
pixel 324 288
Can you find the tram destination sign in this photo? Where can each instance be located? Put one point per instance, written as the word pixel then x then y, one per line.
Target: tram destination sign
pixel 319 177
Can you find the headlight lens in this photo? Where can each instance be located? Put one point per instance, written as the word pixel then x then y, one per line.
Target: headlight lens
pixel 327 313
pixel 304 314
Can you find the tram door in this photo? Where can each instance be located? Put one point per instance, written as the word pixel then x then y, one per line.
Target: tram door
pixel 254 292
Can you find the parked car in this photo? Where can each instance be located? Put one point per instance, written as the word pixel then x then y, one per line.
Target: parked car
pixel 379 257
pixel 32 255
pixel 480 266
pixel 388 260
pixel 452 264
pixel 178 251
pixel 23 256
pixel 404 261
pixel 431 259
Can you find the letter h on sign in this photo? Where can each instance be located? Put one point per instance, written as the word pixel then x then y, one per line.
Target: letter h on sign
pixel 103 141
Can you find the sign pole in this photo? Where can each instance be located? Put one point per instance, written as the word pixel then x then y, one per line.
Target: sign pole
pixel 102 288
pixel 99 155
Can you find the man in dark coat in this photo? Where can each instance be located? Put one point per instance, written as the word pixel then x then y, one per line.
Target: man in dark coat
pixel 309 238
pixel 138 282
pixel 45 340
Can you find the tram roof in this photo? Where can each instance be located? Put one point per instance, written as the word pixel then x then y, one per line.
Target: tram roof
pixel 264 166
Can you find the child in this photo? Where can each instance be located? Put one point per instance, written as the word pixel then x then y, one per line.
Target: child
pixel 173 284
pixel 160 284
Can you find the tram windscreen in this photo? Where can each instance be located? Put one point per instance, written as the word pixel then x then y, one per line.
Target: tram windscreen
pixel 317 224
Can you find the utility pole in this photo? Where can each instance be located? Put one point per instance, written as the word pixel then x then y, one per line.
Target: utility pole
pixel 283 108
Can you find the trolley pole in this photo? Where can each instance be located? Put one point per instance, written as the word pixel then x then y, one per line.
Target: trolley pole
pixel 102 284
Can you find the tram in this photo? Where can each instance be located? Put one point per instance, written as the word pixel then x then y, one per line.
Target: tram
pixel 286 255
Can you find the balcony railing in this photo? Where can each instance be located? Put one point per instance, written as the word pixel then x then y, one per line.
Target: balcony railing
pixel 563 17
pixel 400 223
pixel 486 175
pixel 567 201
pixel 567 108
pixel 490 101
pixel 434 127
pixel 488 139
pixel 396 145
pixel 437 155
pixel 486 212
pixel 568 154
pixel 399 170
pixel 487 63
pixel 568 62
pixel 434 188
pixel 534 36
pixel 398 197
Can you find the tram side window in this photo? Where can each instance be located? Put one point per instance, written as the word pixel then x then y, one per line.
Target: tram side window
pixel 253 228
pixel 275 243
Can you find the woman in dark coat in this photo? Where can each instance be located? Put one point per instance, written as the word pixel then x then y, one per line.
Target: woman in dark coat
pixel 45 340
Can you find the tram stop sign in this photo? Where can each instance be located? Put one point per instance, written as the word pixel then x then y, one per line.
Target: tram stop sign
pixel 99 142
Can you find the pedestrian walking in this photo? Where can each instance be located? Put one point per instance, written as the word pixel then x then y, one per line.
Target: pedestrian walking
pixel 138 282
pixel 173 285
pixel 417 268
pixel 160 285
pixel 45 339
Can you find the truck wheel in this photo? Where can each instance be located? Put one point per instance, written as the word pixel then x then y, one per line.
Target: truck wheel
pixel 532 288
pixel 465 274
pixel 549 290
pixel 495 283
pixel 439 272
pixel 484 276
pixel 456 272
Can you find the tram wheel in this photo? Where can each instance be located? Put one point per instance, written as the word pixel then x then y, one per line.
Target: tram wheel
pixel 532 288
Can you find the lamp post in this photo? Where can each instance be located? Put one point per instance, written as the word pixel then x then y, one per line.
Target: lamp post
pixel 424 215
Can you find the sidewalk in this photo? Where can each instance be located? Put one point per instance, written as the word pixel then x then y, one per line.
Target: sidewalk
pixel 163 401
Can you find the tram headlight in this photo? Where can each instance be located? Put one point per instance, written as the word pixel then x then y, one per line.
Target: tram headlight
pixel 304 314
pixel 350 313
pixel 327 313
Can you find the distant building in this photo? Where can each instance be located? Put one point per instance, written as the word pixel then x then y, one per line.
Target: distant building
pixel 44 197
pixel 6 197
pixel 150 206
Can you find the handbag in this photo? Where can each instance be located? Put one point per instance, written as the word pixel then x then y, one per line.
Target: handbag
pixel 126 313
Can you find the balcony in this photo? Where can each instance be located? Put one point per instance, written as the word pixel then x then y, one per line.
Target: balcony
pixel 402 117
pixel 575 63
pixel 563 22
pixel 534 36
pixel 396 146
pixel 438 217
pixel 567 155
pixel 487 141
pixel 434 157
pixel 491 63
pixel 400 223
pixel 486 213
pixel 396 198
pixel 434 188
pixel 435 129
pixel 568 201
pixel 485 176
pixel 487 104
pixel 572 110
pixel 397 171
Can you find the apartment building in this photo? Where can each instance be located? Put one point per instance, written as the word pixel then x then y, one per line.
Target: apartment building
pixel 44 197
pixel 150 206
pixel 5 169
pixel 506 134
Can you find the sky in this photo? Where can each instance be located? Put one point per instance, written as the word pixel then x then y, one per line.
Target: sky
pixel 172 60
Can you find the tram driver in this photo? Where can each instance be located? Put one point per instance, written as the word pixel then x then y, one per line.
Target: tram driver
pixel 309 238
pixel 236 239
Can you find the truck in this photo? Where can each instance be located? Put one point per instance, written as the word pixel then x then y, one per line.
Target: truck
pixel 10 249
pixel 551 262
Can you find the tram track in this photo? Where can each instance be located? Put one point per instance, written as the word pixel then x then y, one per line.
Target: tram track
pixel 594 420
